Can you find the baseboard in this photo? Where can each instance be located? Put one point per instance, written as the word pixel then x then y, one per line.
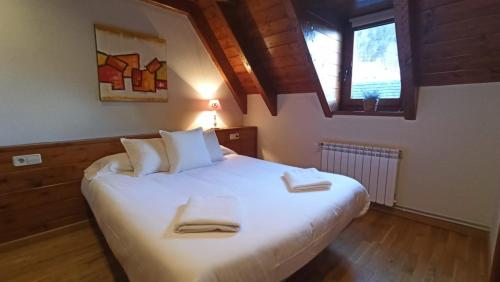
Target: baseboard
pixel 444 218
pixel 435 220
pixel 43 235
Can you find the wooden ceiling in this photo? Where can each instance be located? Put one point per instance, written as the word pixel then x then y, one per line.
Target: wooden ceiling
pixel 259 45
pixel 346 9
pixel 283 54
pixel 264 43
pixel 276 33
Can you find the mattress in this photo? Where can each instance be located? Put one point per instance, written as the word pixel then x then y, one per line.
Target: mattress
pixel 280 232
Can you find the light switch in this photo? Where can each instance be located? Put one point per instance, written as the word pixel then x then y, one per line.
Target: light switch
pixel 234 136
pixel 25 160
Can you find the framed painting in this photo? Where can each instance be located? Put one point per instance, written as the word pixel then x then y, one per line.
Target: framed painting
pixel 131 66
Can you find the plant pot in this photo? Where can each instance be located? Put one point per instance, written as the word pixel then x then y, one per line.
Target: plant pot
pixel 370 105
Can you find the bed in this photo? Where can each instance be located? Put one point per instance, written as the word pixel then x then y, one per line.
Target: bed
pixel 280 232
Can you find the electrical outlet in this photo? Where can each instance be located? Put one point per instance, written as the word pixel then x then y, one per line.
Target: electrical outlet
pixel 234 136
pixel 25 160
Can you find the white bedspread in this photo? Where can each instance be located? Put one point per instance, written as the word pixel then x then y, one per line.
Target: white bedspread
pixel 281 231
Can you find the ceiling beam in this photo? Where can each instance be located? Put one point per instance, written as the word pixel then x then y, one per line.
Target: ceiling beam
pixel 242 26
pixel 403 12
pixel 202 27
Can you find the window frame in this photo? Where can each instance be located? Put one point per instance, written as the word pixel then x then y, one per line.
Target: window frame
pixel 346 103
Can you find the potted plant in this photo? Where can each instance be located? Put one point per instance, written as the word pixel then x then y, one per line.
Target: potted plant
pixel 370 101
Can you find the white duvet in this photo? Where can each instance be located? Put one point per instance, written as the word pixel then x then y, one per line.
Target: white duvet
pixel 280 231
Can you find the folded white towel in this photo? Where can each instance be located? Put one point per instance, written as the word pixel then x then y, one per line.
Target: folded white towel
pixel 209 214
pixel 310 179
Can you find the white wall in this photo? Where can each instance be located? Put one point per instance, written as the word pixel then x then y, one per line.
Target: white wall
pixel 451 152
pixel 48 73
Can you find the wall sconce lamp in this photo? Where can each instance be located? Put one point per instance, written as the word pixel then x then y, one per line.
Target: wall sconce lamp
pixel 214 106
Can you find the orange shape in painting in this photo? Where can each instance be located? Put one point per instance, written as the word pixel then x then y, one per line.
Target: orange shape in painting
pixel 147 81
pixel 132 61
pixel 114 69
pixel 109 74
pixel 154 65
pixel 101 58
pixel 116 63
pixel 136 77
pixel 161 73
pixel 161 76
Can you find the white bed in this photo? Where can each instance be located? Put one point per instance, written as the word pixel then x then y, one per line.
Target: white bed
pixel 281 231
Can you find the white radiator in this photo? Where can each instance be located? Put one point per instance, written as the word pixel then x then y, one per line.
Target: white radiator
pixel 374 167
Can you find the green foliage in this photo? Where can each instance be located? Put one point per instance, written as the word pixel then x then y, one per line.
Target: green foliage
pixel 371 95
pixel 373 43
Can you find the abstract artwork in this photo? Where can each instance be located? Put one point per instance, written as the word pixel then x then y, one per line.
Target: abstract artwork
pixel 131 66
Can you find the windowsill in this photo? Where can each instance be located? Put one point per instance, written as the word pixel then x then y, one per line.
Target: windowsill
pixel 363 113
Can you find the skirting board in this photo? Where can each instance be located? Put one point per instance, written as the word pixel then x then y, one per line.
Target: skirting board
pixel 445 218
pixel 435 220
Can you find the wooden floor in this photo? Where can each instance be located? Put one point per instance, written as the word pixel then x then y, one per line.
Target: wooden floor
pixel 377 247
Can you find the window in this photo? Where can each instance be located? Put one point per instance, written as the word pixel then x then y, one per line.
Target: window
pixel 371 65
pixel 375 65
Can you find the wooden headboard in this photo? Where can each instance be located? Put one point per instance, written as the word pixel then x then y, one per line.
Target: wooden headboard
pixel 38 198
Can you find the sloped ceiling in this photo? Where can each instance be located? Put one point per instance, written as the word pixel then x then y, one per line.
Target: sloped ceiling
pixel 260 45
pixel 346 8
pixel 264 42
pixel 442 42
pixel 283 54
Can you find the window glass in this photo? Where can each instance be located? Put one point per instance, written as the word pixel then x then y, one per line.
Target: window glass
pixel 375 65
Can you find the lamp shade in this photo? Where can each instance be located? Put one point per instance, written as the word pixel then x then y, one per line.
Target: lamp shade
pixel 214 105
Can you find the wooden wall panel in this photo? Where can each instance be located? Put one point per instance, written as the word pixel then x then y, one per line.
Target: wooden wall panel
pixel 41 197
pixel 246 145
pixel 458 41
pixel 41 176
pixel 38 198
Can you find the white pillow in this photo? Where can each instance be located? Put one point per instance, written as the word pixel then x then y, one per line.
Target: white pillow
pixel 108 165
pixel 227 151
pixel 146 155
pixel 186 149
pixel 213 146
